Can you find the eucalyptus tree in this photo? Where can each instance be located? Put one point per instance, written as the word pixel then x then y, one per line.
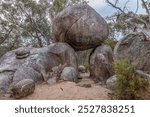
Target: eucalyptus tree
pixel 28 22
pixel 125 20
pixel 24 22
pixel 59 5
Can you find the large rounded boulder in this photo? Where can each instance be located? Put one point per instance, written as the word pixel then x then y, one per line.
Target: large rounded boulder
pixel 101 63
pixel 80 26
pixel 136 47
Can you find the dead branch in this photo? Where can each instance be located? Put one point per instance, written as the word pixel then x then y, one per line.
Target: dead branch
pixel 115 5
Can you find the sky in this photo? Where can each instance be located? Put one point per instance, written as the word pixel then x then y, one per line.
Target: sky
pixel 105 10
pixel 102 7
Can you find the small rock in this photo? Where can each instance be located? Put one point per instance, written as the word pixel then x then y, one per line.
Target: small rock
pixel 81 69
pixel 69 74
pixel 51 81
pixel 86 85
pixel 22 53
pixel 23 88
pixel 141 73
pixel 111 82
pixel 85 82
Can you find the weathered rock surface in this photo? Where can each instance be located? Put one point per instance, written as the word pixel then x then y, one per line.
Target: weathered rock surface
pixel 69 74
pixel 135 47
pixel 52 81
pixel 142 74
pixel 26 73
pixel 22 53
pixel 23 88
pixel 37 65
pixel 62 53
pixel 5 80
pixel 80 26
pixel 101 63
pixel 86 85
pixel 85 82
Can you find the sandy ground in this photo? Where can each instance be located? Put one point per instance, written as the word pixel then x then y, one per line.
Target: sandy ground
pixel 67 91
pixel 85 89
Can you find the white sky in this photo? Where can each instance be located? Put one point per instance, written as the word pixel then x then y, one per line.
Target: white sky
pixel 96 2
pixel 102 8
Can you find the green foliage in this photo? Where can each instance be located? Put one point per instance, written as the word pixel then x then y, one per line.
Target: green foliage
pixel 29 22
pixel 25 21
pixel 3 50
pixel 59 5
pixel 86 65
pixel 128 85
pixel 110 42
pixel 125 21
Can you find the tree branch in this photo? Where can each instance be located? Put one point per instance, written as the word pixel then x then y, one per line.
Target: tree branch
pixel 137 6
pixel 125 6
pixel 115 5
pixel 6 36
pixel 145 6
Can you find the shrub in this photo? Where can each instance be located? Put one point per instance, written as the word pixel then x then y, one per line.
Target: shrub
pixel 86 65
pixel 110 42
pixel 128 85
pixel 3 50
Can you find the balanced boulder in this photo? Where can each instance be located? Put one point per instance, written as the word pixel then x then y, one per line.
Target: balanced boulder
pixel 80 26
